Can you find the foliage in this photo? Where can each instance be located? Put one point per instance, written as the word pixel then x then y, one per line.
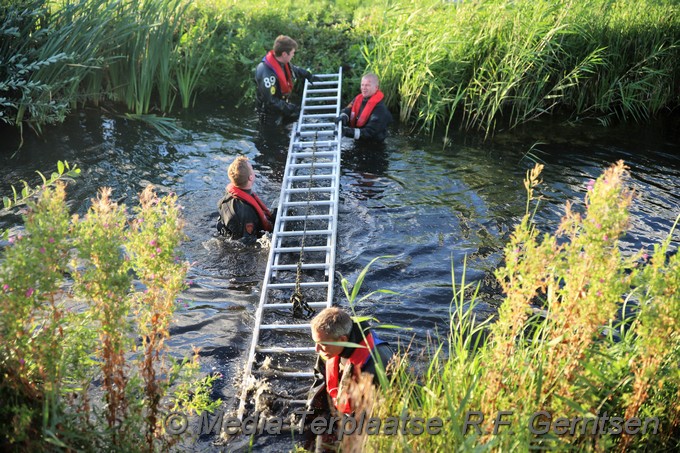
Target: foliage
pixel 479 65
pixel 83 356
pixel 561 343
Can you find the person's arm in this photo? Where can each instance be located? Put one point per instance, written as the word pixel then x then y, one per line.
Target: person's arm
pixel 301 73
pixel 317 398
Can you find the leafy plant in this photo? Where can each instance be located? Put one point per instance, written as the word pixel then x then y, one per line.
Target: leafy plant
pixel 71 373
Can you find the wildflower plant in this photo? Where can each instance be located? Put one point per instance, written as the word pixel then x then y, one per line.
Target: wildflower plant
pixel 585 331
pixel 86 304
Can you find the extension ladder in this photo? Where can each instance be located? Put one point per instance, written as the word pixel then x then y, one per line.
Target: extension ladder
pixel 302 253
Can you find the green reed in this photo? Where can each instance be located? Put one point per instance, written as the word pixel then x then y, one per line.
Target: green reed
pixel 499 64
pixel 564 358
pixel 470 65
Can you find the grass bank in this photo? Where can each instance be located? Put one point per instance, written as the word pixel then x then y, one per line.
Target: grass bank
pixel 468 64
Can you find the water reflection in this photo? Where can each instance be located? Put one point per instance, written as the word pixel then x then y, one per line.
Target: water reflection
pixel 431 207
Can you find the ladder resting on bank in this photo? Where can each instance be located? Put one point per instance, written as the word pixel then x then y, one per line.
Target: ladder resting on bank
pixel 301 261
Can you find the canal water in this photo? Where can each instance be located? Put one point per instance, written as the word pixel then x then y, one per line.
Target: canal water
pixel 430 205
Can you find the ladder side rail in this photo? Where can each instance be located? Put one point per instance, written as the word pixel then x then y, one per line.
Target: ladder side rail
pixel 280 223
pixel 247 372
pixel 332 240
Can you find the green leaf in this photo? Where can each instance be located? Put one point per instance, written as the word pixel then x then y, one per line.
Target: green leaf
pixel 44 180
pixel 6 202
pixel 60 167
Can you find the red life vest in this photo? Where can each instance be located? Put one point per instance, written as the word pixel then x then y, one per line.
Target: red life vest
pixel 358 358
pixel 257 204
pixel 356 120
pixel 285 80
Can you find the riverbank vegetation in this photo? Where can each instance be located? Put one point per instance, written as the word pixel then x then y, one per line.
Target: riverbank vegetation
pixel 466 64
pixel 583 355
pixel 85 310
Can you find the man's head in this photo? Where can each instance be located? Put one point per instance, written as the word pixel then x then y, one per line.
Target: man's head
pixel 241 173
pixel 284 48
pixel 369 85
pixel 331 325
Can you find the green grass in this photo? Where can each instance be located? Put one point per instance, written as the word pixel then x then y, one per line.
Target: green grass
pixel 471 65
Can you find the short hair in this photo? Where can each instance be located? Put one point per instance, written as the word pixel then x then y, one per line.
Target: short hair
pixel 371 75
pixel 332 322
pixel 284 44
pixel 239 171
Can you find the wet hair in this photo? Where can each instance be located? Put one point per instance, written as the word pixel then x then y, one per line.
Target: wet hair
pixel 239 171
pixel 284 44
pixel 332 322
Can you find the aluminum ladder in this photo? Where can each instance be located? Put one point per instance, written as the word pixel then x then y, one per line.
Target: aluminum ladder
pixel 304 236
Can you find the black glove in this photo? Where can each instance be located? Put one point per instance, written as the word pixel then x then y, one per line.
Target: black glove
pixel 221 227
pixel 309 77
pixel 350 132
pixel 295 111
pixel 342 117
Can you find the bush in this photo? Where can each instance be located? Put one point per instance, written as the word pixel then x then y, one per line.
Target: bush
pixel 83 361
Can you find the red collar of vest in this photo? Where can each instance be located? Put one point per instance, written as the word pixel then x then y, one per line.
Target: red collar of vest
pixel 285 80
pixel 358 358
pixel 360 120
pixel 257 204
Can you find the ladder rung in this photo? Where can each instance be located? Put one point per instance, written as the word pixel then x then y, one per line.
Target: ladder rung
pixel 317 125
pixel 310 203
pixel 309 189
pixel 289 305
pixel 313 133
pixel 321 115
pixel 301 154
pixel 322 98
pixel 300 374
pixel 292 285
pixel 309 143
pixel 283 350
pixel 308 217
pixel 292 267
pixel 285 326
pixel 302 233
pixel 315 165
pixel 309 248
pixel 319 107
pixel 305 177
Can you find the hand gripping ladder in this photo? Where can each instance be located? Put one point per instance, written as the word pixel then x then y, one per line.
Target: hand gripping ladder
pixel 302 253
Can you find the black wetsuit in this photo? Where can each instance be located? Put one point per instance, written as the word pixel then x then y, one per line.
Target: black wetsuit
pixel 238 220
pixel 273 107
pixel 375 128
pixel 317 391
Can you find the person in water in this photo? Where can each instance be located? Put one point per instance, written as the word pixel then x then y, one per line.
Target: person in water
pixel 336 363
pixel 275 77
pixel 366 118
pixel 243 216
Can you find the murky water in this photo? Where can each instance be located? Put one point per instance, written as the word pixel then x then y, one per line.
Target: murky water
pixel 429 206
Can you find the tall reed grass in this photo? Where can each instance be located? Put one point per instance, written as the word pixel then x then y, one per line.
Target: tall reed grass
pixel 498 64
pixel 471 65
pixel 552 350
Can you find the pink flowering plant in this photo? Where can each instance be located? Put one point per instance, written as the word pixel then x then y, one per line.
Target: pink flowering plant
pixel 560 348
pixel 71 315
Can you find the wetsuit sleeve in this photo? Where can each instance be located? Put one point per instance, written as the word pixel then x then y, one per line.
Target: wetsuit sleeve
pixel 301 73
pixel 317 397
